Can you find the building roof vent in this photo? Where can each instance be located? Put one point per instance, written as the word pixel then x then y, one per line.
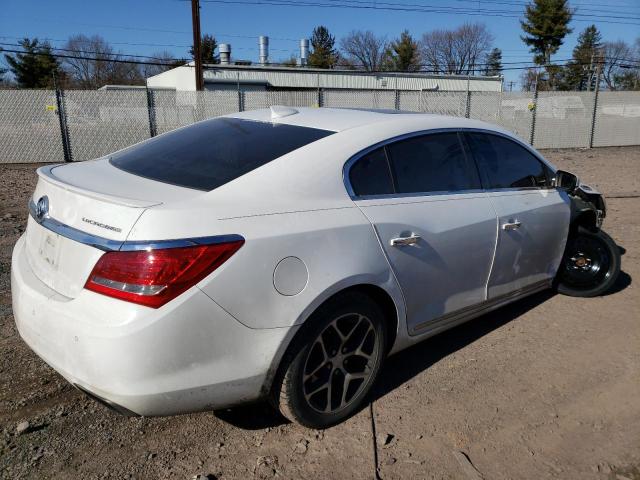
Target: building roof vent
pixel 225 53
pixel 263 44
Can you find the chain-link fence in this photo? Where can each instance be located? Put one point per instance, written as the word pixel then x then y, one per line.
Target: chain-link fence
pixel 29 127
pixel 54 126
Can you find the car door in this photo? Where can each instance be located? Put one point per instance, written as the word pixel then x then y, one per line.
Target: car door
pixel 437 228
pixel 533 216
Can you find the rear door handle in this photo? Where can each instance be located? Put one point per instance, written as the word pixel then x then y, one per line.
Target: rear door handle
pixel 511 225
pixel 401 241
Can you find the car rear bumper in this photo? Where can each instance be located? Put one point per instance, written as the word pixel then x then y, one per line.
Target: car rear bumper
pixel 188 355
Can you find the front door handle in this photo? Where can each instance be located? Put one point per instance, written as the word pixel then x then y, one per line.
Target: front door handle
pixel 511 225
pixel 401 241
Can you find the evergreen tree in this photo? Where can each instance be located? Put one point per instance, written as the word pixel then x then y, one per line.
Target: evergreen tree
pixel 35 67
pixel 403 54
pixel 493 63
pixel 586 53
pixel 208 46
pixel 545 26
pixel 323 53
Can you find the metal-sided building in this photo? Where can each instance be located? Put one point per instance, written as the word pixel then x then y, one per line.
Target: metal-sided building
pixel 264 78
pixel 246 77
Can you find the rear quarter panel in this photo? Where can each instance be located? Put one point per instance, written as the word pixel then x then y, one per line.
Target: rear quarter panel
pixel 338 247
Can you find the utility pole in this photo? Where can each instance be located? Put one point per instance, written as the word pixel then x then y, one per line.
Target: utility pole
pixel 195 17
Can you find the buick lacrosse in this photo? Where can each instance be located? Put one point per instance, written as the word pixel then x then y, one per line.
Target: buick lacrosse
pixel 284 253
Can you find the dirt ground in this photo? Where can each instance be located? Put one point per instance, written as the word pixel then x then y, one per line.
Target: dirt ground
pixel 546 388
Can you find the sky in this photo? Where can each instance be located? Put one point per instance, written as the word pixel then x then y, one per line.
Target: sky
pixel 144 27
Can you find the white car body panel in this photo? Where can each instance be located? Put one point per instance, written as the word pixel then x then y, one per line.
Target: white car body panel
pixel 450 247
pixel 181 357
pixel 220 342
pixel 320 242
pixel 533 252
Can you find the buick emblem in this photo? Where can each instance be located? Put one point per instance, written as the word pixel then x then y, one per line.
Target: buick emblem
pixel 42 208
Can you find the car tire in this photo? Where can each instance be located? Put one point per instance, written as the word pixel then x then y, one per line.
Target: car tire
pixel 333 362
pixel 590 265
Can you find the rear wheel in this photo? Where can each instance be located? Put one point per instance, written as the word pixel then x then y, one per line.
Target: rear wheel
pixel 331 367
pixel 590 265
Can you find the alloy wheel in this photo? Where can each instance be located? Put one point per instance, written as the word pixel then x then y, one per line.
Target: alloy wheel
pixel 339 363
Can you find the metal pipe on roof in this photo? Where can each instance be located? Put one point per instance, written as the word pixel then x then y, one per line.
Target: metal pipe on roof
pixel 304 51
pixel 225 53
pixel 263 43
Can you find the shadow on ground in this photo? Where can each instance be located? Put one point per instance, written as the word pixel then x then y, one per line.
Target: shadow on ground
pixel 400 367
pixel 622 282
pixel 405 365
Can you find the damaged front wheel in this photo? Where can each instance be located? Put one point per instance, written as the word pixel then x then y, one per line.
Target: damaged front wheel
pixel 590 265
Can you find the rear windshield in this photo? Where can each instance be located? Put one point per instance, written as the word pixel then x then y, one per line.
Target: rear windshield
pixel 212 153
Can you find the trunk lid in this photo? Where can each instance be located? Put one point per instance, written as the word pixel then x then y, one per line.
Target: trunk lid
pixel 86 200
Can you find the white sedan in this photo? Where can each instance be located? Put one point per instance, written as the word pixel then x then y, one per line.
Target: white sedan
pixel 284 253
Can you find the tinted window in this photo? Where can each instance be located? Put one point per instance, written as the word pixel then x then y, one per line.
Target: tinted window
pixel 212 153
pixel 505 164
pixel 370 175
pixel 432 163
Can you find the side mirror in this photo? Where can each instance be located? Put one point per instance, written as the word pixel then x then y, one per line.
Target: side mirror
pixel 566 181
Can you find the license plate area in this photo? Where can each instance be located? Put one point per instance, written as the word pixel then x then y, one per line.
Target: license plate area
pixel 59 262
pixel 49 249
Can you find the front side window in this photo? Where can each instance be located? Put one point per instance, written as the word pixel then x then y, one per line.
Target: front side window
pixel 432 163
pixel 505 164
pixel 209 154
pixel 370 174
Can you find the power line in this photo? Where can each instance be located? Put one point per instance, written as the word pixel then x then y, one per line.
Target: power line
pixel 88 41
pixel 459 9
pixel 93 52
pixel 399 7
pixel 159 30
pixel 120 54
pixel 578 7
pixel 48 39
pixel 82 57
pixel 422 70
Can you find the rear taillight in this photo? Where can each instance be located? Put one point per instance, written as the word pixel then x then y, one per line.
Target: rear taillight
pixel 154 277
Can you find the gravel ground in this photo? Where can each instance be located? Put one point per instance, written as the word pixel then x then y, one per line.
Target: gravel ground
pixel 548 387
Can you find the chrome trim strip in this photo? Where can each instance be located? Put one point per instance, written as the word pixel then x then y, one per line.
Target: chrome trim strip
pixel 401 196
pixel 349 163
pixel 130 246
pixel 108 245
pixel 472 311
pixel 73 233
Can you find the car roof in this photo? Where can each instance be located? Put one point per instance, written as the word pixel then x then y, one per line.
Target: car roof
pixel 340 119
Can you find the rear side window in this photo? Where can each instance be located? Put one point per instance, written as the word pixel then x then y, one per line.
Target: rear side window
pixel 370 174
pixel 209 154
pixel 432 163
pixel 505 164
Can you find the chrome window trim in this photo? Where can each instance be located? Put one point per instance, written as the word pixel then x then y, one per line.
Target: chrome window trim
pixel 402 196
pixel 346 169
pixel 109 245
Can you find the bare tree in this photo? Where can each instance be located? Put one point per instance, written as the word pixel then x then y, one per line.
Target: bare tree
pixel 460 51
pixel 160 62
pixel 98 64
pixel 365 50
pixel 619 66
